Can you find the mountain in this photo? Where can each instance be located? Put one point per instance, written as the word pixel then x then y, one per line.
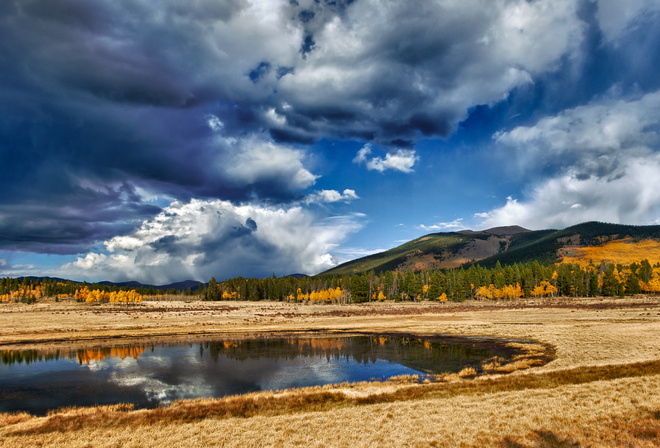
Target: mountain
pixel 508 245
pixel 179 286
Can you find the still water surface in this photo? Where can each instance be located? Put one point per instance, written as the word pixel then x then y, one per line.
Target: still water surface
pixel 154 374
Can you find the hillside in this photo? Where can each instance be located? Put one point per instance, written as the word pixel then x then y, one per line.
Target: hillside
pixel 506 245
pixel 437 251
pixel 179 286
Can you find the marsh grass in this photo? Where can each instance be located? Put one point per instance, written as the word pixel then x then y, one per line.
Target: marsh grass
pixel 13 418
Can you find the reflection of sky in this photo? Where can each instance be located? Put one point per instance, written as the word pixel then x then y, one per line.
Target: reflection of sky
pixel 166 373
pixel 162 380
pixel 14 370
pixel 320 370
pixel 161 375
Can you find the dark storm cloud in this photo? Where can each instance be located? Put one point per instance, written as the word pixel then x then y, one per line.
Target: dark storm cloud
pixel 63 228
pixel 109 103
pixel 386 71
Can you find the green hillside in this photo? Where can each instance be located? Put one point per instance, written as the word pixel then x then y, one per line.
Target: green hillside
pixel 542 245
pixel 506 245
pixel 539 245
pixel 433 244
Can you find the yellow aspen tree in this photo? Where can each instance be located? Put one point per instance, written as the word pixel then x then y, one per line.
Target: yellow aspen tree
pixel 518 292
pixel 537 291
pixel 550 289
pixel 483 292
pixel 122 297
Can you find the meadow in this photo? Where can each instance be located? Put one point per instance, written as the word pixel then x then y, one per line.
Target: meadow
pixel 598 385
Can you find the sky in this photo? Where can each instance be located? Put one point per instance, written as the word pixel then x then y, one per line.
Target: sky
pixel 159 140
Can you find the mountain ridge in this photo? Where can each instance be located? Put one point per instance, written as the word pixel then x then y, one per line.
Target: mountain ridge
pixel 179 286
pixel 506 245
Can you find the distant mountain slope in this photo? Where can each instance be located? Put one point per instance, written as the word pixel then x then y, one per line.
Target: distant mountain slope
pixel 179 286
pixel 547 248
pixel 507 245
pixel 436 251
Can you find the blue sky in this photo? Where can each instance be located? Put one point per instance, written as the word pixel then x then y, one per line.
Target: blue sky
pixel 163 141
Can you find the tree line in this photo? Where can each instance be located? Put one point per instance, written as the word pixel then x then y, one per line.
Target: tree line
pixel 28 290
pixel 520 280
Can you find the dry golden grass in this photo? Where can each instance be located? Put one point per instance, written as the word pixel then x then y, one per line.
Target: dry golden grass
pixel 602 388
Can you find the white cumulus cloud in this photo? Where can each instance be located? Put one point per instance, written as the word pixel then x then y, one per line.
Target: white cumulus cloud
pixel 454 225
pixel 402 160
pixel 200 239
pixel 595 138
pixel 330 196
pixel 607 166
pixel 568 200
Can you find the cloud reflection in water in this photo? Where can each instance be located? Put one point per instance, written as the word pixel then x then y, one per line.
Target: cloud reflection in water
pixel 152 375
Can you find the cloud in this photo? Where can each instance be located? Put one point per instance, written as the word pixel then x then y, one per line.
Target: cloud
pixel 117 107
pixel 217 99
pixel 567 200
pixel 12 268
pixel 257 167
pixel 615 18
pixel 594 139
pixel 604 160
pixel 89 261
pixel 394 71
pixel 330 196
pixel 83 212
pixel 302 70
pixel 351 253
pixel 63 197
pixel 200 239
pixel 454 225
pixel 402 160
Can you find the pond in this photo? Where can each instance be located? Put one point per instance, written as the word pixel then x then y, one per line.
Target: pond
pixel 157 373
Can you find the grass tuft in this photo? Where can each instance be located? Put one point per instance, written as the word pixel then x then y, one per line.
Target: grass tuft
pixel 13 418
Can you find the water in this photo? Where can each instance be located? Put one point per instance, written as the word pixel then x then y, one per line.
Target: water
pixel 154 374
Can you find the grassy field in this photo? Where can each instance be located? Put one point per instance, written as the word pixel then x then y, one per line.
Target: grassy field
pixel 601 389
